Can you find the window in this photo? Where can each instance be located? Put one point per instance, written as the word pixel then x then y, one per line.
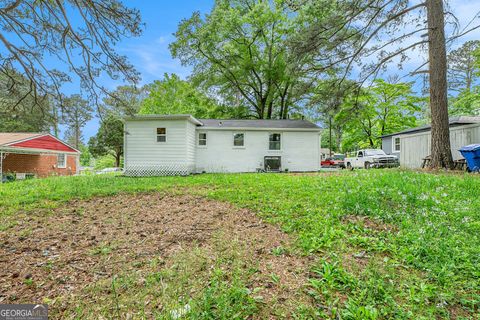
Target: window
pixel 202 139
pixel 360 154
pixel 238 139
pixel 396 144
pixel 161 134
pixel 274 141
pixel 61 160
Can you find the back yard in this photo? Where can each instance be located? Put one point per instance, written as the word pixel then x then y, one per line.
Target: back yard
pixel 377 244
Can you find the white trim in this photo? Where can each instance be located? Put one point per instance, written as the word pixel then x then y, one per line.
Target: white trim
pixel 161 135
pixel 394 150
pixel 260 129
pixel 146 117
pixel 43 135
pixel 22 150
pixel 64 165
pixel 203 146
pixel 233 140
pixel 281 141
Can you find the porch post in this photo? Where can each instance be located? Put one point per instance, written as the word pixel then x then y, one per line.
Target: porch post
pixel 1 166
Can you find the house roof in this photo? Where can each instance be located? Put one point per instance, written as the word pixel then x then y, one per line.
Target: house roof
pixel 258 124
pixel 140 117
pixel 19 142
pixel 231 124
pixel 10 137
pixel 455 121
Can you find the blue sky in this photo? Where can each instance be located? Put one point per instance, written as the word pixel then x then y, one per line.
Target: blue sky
pixel 150 55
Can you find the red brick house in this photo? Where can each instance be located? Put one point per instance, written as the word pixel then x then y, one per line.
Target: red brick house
pixel 38 154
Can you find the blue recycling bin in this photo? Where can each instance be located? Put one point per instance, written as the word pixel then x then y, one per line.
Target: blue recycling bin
pixel 471 153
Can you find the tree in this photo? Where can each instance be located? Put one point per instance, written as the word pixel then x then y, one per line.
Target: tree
pixel 467 103
pixel 382 109
pixel 28 115
pixel 76 115
pixel 328 100
pixel 171 95
pixel 109 139
pixel 125 100
pixel 462 67
pixel 386 31
pixel 240 49
pixel 80 34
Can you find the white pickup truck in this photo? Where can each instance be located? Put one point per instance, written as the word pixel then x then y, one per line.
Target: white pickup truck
pixel 371 158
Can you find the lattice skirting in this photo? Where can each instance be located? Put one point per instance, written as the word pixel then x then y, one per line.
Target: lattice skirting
pixel 158 170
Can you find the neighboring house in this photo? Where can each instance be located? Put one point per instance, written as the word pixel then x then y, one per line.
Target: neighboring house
pixel 181 144
pixel 325 153
pixel 37 154
pixel 412 145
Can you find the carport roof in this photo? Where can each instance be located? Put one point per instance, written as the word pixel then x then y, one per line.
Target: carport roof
pixel 11 137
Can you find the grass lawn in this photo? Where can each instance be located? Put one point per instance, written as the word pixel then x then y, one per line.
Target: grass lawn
pixel 378 244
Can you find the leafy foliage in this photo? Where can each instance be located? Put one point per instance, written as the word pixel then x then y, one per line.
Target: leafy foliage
pixel 382 109
pixel 77 112
pixel 109 139
pixel 240 51
pixel 175 96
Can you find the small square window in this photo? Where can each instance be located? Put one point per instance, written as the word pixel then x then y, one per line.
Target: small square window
pixel 202 139
pixel 61 161
pixel 238 139
pixel 161 134
pixel 274 141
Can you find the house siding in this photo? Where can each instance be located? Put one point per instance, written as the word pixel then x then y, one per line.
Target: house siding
pixel 415 147
pixel 387 146
pixel 145 156
pixel 300 151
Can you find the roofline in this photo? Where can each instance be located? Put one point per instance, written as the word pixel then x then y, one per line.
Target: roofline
pixel 318 129
pixel 23 139
pixel 42 135
pixel 23 150
pixel 145 117
pixel 453 122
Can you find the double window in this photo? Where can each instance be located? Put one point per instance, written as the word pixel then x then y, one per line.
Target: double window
pixel 396 144
pixel 202 139
pixel 239 139
pixel 274 141
pixel 161 134
pixel 61 160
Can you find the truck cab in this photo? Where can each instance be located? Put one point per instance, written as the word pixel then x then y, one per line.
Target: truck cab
pixel 371 158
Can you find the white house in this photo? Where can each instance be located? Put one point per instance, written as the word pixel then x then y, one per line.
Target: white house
pixel 181 144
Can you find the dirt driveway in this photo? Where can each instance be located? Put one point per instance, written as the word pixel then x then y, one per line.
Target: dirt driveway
pixel 51 256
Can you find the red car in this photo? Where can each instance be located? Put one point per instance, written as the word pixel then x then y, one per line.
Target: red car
pixel 329 162
pixel 335 162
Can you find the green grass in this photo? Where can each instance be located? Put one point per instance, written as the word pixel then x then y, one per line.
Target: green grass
pixel 388 243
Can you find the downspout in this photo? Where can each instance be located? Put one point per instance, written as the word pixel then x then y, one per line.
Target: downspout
pixel 1 167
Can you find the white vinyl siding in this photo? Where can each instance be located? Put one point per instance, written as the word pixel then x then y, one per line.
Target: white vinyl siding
pixel 300 151
pixel 142 148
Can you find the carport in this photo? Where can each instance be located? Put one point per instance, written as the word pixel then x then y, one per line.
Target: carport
pixel 40 154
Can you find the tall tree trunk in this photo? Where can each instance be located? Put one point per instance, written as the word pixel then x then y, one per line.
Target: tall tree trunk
pixel 330 135
pixel 440 147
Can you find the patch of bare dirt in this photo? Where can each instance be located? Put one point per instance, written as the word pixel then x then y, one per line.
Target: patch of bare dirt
pixel 369 223
pixel 45 256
